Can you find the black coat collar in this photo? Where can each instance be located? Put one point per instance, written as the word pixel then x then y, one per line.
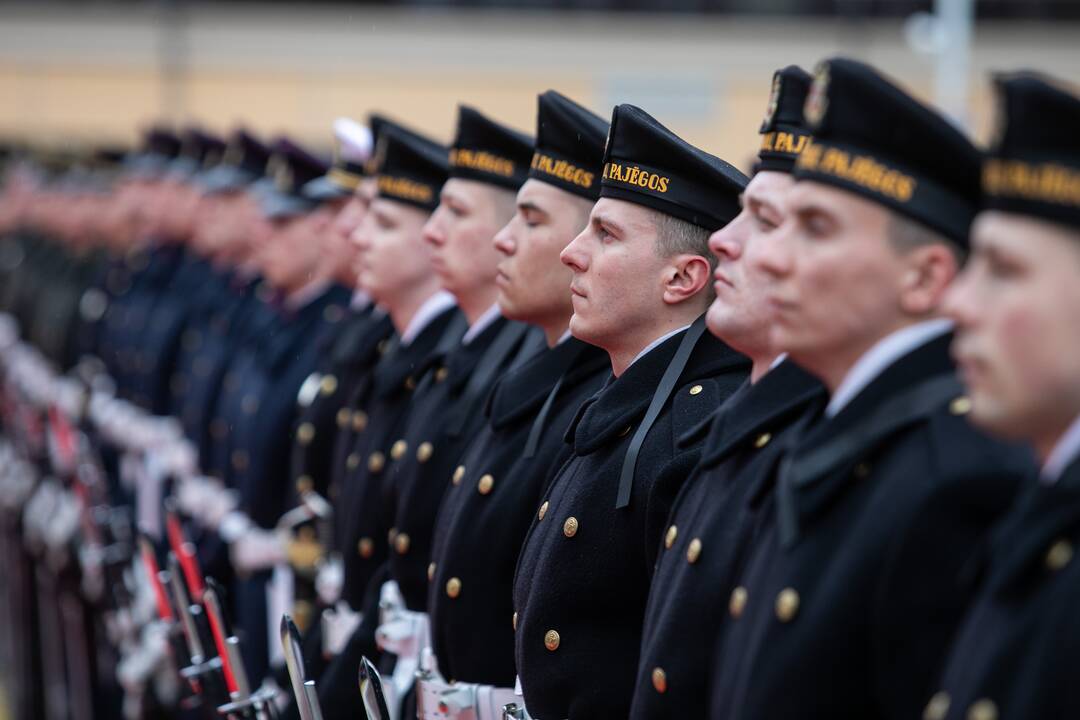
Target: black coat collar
pixel 624 400
pixel 402 363
pixel 783 393
pixel 520 393
pixel 913 387
pixel 928 360
pixel 1043 514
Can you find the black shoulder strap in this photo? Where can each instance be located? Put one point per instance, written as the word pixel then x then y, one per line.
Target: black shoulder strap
pixel 660 397
pixel 484 375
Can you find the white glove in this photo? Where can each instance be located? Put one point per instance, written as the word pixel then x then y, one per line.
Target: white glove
pixel 218 504
pixel 189 494
pixel 330 579
pixel 440 700
pixel 338 625
pixel 405 633
pixel 140 662
pixel 257 549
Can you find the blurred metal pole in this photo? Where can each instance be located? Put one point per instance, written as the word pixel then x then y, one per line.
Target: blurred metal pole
pixel 172 57
pixel 956 20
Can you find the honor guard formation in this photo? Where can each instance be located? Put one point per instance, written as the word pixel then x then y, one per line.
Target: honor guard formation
pixel 585 424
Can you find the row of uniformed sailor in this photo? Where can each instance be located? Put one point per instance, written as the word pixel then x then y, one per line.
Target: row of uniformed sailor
pixel 840 493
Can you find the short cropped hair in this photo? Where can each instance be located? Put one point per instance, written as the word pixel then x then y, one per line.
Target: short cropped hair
pixel 905 235
pixel 676 237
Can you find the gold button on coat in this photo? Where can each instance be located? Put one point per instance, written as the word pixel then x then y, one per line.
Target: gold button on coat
pixel 359 421
pixel 304 483
pixel 669 539
pixel 659 680
pixel 410 383
pixel 343 417
pixel 240 459
pixel 543 511
pixel 328 386
pixel 787 605
pixel 938 707
pixel 401 543
pixel 397 450
pixel 366 547
pixel 1059 554
pixel 696 390
pixel 219 428
pixel 983 710
pixel 352 461
pixel 737 601
pixel 693 552
pixel 430 571
pixel 552 640
pixel 305 433
pixel 762 440
pixel 486 483
pixel 960 406
pixel 376 462
pixel 424 452
pixel 453 587
pixel 441 374
pixel 570 527
pixel 459 473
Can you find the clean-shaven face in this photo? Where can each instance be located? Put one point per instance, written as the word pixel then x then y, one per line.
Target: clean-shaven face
pixel 534 285
pixel 740 314
pixel 1017 313
pixel 834 279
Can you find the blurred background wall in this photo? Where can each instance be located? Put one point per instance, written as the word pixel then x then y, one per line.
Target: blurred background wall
pixel 79 72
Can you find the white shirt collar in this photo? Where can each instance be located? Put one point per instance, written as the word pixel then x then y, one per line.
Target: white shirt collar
pixel 1063 454
pixel 360 300
pixel 482 323
pixel 648 348
pixel 565 336
pixel 884 353
pixel 306 294
pixel 434 306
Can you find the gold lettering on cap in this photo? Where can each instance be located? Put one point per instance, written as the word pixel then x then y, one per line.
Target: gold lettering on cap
pixel 784 142
pixel 562 170
pixel 861 170
pixel 634 175
pixel 1046 182
pixel 405 189
pixel 481 160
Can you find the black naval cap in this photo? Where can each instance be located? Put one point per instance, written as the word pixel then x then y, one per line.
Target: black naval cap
pixel 289 168
pixel 1034 167
pixel 410 168
pixel 158 148
pixel 647 164
pixel 243 162
pixel 489 152
pixel 873 139
pixel 783 131
pixel 569 151
pixel 199 150
pixel 352 150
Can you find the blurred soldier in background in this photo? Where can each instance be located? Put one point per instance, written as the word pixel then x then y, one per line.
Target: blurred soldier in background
pixel 1017 340
pixel 880 502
